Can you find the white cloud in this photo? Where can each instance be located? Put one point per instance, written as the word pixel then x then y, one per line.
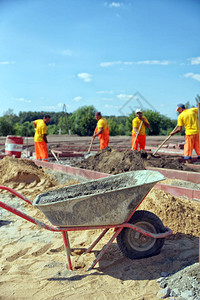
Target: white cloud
pixel 49 107
pixel 195 60
pixel 111 106
pixel 124 97
pixel 193 76
pixel 85 77
pixel 128 62
pixel 154 62
pixel 107 99
pixel 78 98
pixel 60 104
pixel 57 107
pixel 22 100
pixel 66 52
pixel 105 92
pixel 111 63
pixel 115 4
pixel 7 62
pixel 144 62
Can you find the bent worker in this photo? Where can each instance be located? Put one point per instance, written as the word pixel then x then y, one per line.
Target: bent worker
pixel 139 124
pixel 102 131
pixel 188 118
pixel 40 138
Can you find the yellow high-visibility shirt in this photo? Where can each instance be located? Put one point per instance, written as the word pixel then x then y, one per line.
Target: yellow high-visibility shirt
pixel 136 124
pixel 102 123
pixel 189 119
pixel 41 128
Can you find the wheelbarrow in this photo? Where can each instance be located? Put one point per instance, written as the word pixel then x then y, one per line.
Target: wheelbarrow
pixel 106 203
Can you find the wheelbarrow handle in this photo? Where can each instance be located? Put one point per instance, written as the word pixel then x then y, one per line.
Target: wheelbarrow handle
pixel 27 218
pixel 2 187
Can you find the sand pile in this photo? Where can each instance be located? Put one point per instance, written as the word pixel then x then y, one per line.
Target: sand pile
pixel 25 177
pixel 181 215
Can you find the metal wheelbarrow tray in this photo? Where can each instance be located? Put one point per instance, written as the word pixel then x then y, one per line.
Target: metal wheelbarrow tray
pixel 106 203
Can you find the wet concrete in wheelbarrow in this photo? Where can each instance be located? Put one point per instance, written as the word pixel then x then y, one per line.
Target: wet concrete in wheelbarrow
pixel 28 255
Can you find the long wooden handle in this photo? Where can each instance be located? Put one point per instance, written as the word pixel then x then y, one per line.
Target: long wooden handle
pixel 137 135
pixel 91 145
pixel 55 156
pixel 164 141
pixel 89 149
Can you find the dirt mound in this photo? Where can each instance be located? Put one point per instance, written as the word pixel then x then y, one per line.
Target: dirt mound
pixel 112 161
pixel 167 162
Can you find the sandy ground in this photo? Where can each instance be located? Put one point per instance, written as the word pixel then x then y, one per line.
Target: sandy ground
pixel 33 261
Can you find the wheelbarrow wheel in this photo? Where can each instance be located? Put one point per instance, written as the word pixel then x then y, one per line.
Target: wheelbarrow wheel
pixel 136 245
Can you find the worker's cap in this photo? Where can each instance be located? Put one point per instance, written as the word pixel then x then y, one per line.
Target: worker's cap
pixel 180 106
pixel 138 110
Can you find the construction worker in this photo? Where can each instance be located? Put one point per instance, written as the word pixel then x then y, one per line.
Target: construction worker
pixel 40 138
pixel 188 118
pixel 139 138
pixel 102 131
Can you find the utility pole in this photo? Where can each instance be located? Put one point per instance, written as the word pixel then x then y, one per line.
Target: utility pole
pixel 64 120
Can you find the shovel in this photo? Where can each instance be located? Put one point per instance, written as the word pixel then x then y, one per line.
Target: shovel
pixel 89 149
pixel 137 135
pixel 56 157
pixel 167 138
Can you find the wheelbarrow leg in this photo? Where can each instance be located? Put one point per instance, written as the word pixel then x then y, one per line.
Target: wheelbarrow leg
pixel 96 241
pixel 104 249
pixel 67 249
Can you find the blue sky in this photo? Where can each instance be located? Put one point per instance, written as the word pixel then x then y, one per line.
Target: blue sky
pixel 115 55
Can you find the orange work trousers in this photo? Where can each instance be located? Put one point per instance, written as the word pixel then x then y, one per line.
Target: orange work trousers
pixel 140 142
pixel 41 151
pixel 103 137
pixel 191 142
pixel 103 140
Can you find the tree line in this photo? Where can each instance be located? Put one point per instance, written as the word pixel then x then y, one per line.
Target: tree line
pixel 82 122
